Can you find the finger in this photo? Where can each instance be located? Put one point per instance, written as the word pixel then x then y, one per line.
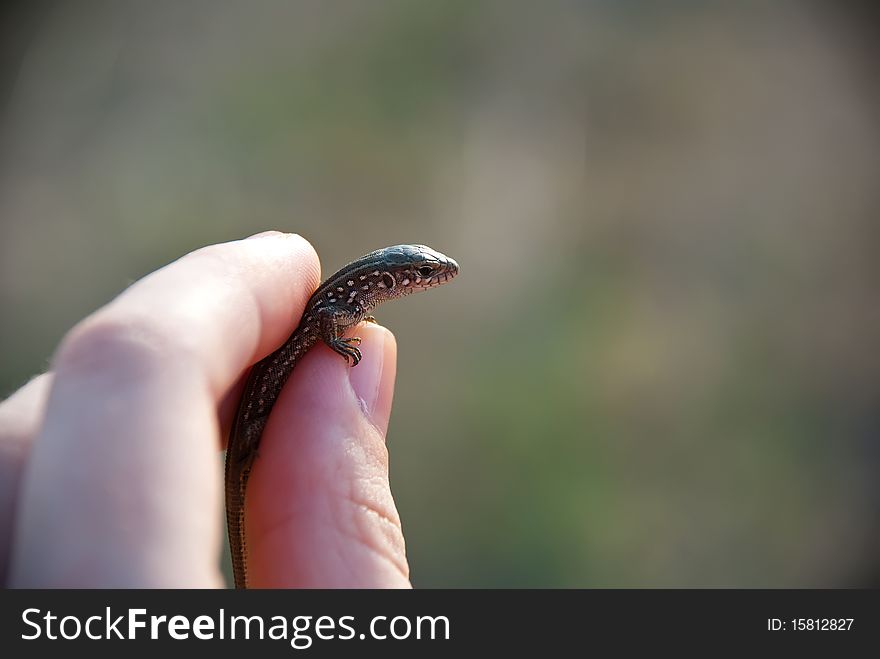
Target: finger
pixel 121 488
pixel 20 417
pixel 320 511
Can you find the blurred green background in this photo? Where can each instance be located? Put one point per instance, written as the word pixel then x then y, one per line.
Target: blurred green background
pixel 659 365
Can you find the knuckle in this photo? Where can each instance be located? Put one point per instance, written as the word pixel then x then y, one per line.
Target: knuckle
pixel 107 343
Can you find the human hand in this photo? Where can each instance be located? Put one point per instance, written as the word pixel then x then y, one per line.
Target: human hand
pixel 110 472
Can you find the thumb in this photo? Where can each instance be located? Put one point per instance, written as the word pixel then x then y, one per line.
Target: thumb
pixel 320 512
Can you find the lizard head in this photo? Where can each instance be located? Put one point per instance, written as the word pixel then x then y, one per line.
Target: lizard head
pixel 406 269
pixel 412 268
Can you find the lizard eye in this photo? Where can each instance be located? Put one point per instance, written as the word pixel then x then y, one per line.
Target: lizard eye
pixel 426 271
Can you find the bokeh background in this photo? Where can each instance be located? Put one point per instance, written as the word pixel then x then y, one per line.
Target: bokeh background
pixel 659 365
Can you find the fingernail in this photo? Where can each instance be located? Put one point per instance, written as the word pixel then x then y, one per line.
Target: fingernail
pixel 373 378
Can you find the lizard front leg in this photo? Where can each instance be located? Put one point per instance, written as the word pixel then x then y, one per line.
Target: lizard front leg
pixel 332 323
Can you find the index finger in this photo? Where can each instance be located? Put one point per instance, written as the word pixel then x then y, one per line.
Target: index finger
pixel 121 487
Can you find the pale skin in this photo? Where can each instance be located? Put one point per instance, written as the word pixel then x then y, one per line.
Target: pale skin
pixel 110 463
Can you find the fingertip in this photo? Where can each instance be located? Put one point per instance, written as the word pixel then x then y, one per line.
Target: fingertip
pixel 320 509
pixel 265 234
pixel 303 254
